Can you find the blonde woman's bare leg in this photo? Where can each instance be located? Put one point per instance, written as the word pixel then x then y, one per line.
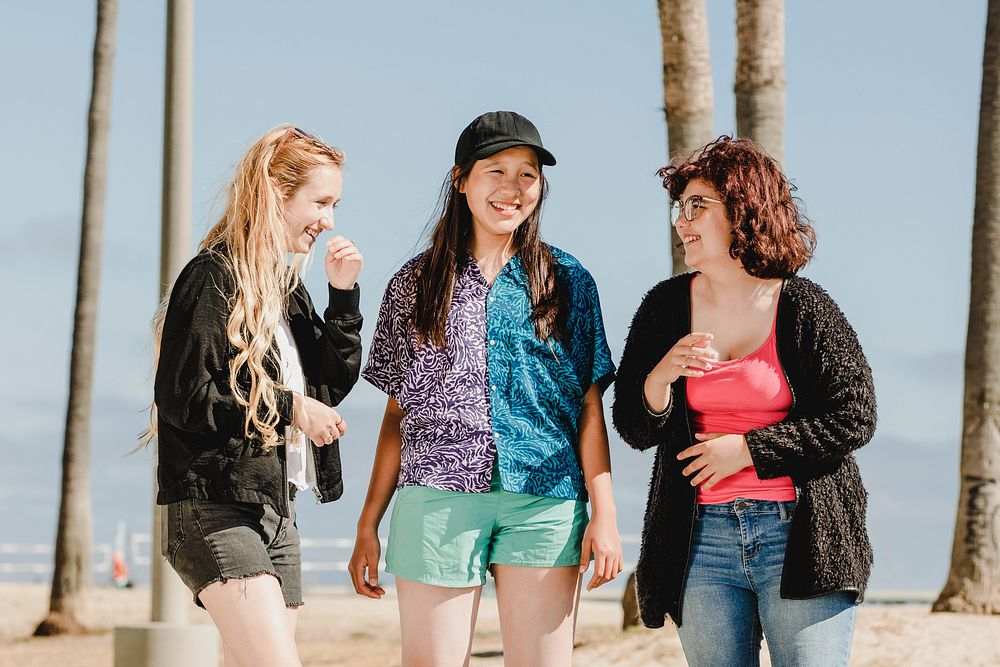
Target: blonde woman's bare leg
pixel 292 615
pixel 253 620
pixel 538 607
pixel 227 657
pixel 436 623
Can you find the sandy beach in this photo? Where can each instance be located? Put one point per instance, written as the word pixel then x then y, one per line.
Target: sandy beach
pixel 340 629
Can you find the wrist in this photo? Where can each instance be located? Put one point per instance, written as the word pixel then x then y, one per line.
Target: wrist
pixel 605 513
pixel 367 526
pixel 656 393
pixel 297 410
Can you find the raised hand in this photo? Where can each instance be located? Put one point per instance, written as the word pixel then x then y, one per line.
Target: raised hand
pixel 343 262
pixel 691 356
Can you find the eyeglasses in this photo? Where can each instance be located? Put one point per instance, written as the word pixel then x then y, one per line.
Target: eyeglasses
pixel 691 207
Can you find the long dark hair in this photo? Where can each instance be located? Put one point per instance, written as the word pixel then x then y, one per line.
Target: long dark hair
pixel 450 240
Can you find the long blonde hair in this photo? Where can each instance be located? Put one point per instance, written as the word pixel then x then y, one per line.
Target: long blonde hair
pixel 250 239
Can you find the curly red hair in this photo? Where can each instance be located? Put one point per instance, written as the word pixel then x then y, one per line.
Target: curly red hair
pixel 771 237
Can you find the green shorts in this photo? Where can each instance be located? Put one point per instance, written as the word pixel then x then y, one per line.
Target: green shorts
pixel 451 538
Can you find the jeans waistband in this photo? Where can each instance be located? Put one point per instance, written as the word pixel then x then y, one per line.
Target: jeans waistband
pixel 783 508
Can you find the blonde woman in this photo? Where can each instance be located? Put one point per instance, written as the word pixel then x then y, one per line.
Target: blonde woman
pixel 246 379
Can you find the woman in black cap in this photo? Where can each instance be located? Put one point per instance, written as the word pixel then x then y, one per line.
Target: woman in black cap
pixel 491 348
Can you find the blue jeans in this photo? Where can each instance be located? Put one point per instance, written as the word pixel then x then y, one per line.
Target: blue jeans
pixel 732 594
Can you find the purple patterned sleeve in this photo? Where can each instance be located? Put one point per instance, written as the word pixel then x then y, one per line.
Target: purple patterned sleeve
pixel 390 354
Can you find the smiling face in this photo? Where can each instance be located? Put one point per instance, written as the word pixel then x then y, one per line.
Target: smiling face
pixel 309 210
pixel 708 237
pixel 502 191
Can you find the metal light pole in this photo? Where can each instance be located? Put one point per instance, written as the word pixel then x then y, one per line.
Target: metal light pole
pixel 170 597
pixel 169 639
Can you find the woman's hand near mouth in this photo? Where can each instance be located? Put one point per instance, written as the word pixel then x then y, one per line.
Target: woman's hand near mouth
pixel 343 263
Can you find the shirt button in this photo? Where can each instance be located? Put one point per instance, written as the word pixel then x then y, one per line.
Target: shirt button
pixel 493 342
pixel 493 387
pixel 492 299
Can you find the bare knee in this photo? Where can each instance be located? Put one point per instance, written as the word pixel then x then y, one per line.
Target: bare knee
pixel 252 619
pixel 436 623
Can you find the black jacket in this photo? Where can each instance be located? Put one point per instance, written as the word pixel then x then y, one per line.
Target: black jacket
pixel 202 450
pixel 832 414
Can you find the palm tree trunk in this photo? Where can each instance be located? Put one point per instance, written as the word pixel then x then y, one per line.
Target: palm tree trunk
pixel 687 85
pixel 72 574
pixel 973 584
pixel 688 103
pixel 760 73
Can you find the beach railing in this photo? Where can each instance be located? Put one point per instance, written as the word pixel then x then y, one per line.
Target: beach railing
pixel 22 559
pixel 36 559
pixel 18 561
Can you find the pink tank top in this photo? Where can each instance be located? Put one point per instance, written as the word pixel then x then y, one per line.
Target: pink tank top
pixel 737 396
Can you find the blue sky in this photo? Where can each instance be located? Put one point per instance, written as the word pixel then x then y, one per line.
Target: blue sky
pixel 880 139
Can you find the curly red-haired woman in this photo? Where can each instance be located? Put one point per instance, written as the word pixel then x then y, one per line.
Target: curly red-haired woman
pixel 752 386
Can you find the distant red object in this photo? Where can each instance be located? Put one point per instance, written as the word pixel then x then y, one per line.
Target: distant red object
pixel 119 571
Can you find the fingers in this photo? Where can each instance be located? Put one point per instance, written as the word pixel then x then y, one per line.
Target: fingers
pixel 706 479
pixel 332 431
pixel 356 568
pixel 599 577
pixel 695 466
pixel 343 263
pixel 339 426
pixel 340 248
pixel 710 482
pixel 338 243
pixel 607 566
pixel 349 254
pixel 693 450
pixel 696 336
pixel 688 361
pixel 367 586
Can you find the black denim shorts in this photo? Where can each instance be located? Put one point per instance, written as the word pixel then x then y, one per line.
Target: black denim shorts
pixel 207 541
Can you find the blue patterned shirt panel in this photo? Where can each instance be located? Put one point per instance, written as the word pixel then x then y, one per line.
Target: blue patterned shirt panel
pixel 537 387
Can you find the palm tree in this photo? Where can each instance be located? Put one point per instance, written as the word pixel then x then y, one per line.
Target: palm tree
pixel 71 574
pixel 760 73
pixel 973 584
pixel 687 83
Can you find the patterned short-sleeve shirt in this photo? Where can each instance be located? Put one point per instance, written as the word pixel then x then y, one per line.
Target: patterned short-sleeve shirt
pixel 495 391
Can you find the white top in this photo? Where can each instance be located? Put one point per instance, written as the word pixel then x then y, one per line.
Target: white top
pixel 300 464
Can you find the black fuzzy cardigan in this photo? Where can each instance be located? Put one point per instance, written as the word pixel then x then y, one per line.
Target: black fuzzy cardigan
pixel 832 414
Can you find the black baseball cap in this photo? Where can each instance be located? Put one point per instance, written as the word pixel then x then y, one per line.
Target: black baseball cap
pixel 496 131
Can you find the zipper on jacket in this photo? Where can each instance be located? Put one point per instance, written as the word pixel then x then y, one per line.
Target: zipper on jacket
pixel 284 480
pixel 315 489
